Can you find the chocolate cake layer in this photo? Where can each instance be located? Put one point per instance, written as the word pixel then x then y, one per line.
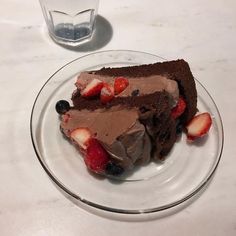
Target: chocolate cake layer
pixel 158 100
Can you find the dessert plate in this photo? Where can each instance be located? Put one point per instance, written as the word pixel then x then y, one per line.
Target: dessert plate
pixel 151 188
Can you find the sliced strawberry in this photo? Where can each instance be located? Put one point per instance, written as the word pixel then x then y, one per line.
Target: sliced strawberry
pixel 199 126
pixel 120 84
pixel 107 93
pixel 93 88
pixel 81 136
pixel 96 158
pixel 179 109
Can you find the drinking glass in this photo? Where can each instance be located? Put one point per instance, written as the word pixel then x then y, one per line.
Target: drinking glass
pixel 70 22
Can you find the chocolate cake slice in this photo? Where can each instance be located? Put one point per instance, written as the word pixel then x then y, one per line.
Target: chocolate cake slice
pixel 127 116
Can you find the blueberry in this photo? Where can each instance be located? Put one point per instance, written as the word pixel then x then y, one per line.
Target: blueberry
pixel 114 169
pixel 179 128
pixel 62 106
pixel 135 93
pixel 143 109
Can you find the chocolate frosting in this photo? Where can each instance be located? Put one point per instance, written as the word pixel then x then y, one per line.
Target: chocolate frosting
pixel 117 129
pixel 145 85
pixel 105 125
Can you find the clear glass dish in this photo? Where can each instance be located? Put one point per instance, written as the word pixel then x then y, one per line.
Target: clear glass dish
pixel 150 188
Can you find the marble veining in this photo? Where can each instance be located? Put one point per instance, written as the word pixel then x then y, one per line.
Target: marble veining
pixel 202 32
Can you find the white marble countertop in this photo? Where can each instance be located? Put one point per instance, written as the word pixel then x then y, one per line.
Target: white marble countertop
pixel 201 32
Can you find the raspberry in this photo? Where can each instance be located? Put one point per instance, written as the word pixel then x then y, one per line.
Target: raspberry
pixel 96 157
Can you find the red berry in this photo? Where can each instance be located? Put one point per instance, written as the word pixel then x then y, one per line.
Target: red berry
pixel 198 126
pixel 120 84
pixel 179 109
pixel 107 93
pixel 81 136
pixel 93 88
pixel 96 157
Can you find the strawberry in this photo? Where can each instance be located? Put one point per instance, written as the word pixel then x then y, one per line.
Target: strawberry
pixel 93 88
pixel 198 126
pixel 81 136
pixel 107 93
pixel 96 157
pixel 120 84
pixel 179 109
